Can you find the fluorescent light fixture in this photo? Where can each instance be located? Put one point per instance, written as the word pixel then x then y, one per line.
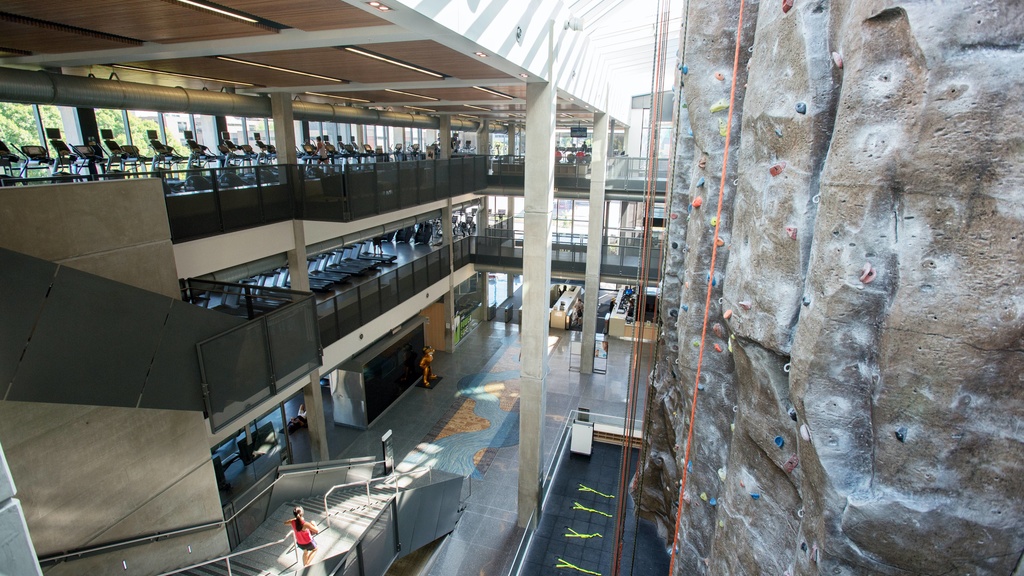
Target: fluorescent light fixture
pixel 180 75
pixel 219 11
pixel 418 108
pixel 278 68
pixel 392 62
pixel 338 97
pixel 477 107
pixel 493 92
pixel 468 116
pixel 431 98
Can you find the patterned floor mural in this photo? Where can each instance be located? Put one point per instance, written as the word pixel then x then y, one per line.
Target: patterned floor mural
pixel 483 418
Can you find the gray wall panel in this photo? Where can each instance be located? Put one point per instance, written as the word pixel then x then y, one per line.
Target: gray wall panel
pixel 23 287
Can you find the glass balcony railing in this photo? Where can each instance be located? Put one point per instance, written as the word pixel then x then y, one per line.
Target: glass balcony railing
pixel 621 173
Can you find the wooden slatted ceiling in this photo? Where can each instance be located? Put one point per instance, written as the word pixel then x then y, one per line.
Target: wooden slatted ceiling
pixel 457 94
pixel 438 57
pixel 38 40
pixel 214 68
pixel 147 20
pixel 309 15
pixel 336 63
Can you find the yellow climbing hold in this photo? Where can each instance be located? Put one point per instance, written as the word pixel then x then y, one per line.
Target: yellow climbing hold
pixel 564 564
pixel 719 106
pixel 721 524
pixel 722 127
pixel 721 474
pixel 704 496
pixel 732 427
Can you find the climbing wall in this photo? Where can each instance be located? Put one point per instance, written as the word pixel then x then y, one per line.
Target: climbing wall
pixel 860 403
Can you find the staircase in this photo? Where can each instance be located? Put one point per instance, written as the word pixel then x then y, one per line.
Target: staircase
pixel 353 509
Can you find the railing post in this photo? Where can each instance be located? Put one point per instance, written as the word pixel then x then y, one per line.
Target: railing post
pixel 227 561
pixel 368 500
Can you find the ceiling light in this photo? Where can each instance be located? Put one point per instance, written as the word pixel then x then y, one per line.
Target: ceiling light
pixel 379 6
pixel 368 54
pixel 572 99
pixel 338 97
pixel 481 54
pixel 412 94
pixel 524 75
pixel 383 8
pixel 477 107
pixel 374 4
pixel 493 92
pixel 418 108
pixel 151 71
pixel 279 69
pixel 219 11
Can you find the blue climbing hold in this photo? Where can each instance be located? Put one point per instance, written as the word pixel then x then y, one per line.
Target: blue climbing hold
pixel 713 502
pixel 689 466
pixel 778 132
pixel 700 183
pixel 755 495
pixel 801 108
pixel 686 308
pixel 689 131
pixel 779 441
pixel 685 69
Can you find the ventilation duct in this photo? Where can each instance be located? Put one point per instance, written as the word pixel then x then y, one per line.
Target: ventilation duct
pixel 38 87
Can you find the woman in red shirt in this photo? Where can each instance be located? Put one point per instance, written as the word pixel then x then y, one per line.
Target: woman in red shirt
pixel 304 532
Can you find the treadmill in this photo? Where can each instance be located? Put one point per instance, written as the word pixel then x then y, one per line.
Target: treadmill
pixel 36 158
pixel 64 156
pixel 198 156
pixel 8 159
pixel 268 152
pixel 163 155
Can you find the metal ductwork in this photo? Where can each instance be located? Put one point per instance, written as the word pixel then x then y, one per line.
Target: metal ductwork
pixel 38 87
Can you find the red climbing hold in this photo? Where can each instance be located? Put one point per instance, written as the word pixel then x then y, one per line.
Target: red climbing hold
pixel 718 330
pixel 727 314
pixel 703 162
pixel 718 348
pixel 792 463
pixel 719 76
pixel 674 215
pixel 867 273
pixel 697 202
pixel 745 305
pixel 719 242
pixel 777 169
pixel 787 5
pixel 791 230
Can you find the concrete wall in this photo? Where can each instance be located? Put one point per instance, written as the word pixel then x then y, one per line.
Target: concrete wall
pixel 90 475
pixel 116 229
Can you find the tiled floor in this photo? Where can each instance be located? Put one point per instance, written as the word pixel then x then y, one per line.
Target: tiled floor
pixel 487 537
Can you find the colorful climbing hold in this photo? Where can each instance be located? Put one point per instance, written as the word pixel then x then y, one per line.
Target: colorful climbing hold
pixel 901 433
pixel 719 76
pixel 838 59
pixel 704 496
pixel 689 466
pixel 727 314
pixel 755 495
pixel 697 201
pixel 718 330
pixel 777 169
pixel 674 216
pixel 700 183
pixel 719 106
pixel 791 463
pixel 703 162
pixel 730 345
pixel 780 441
pixel 867 273
pixel 787 5
pixel 791 230
pixel 805 432
pixel 801 108
pixel 744 304
pixel 721 474
pixel 723 128
pixel 778 132
pixel 696 343
pixel 685 307
pixel 719 242
pixel 713 502
pixel 732 427
pixel 718 348
pixel 792 414
pixel 685 69
pixel 714 220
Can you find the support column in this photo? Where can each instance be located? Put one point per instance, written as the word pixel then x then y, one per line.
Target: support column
pixel 539 195
pixel 444 137
pixel 483 139
pixel 611 137
pixel 313 398
pixel 284 127
pixel 449 298
pixel 510 135
pixel 298 268
pixel 595 232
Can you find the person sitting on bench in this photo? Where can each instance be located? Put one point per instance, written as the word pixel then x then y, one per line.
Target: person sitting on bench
pixel 299 421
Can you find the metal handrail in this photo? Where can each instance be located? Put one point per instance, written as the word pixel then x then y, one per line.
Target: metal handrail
pixel 369 499
pixel 191 529
pixel 228 557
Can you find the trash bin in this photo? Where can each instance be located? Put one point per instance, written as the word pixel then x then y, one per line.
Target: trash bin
pixel 508 313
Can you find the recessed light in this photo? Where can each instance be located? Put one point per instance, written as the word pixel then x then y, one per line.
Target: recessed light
pixel 524 75
pixel 412 94
pixel 374 4
pixel 481 54
pixel 383 8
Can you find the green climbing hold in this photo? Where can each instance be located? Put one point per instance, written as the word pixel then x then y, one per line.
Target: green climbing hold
pixel 719 106
pixel 723 128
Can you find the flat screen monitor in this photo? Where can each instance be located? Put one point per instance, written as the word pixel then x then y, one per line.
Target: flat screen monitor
pixel 255 135
pixel 225 135
pixel 578 131
pixel 106 134
pixel 189 135
pixel 152 135
pixel 53 133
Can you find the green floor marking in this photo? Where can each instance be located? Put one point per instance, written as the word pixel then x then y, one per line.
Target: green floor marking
pixel 564 564
pixel 576 534
pixel 578 506
pixel 583 488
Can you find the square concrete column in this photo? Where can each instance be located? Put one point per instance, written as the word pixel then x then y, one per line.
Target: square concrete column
pixel 483 139
pixel 595 233
pixel 510 135
pixel 539 195
pixel 284 127
pixel 444 136
pixel 313 398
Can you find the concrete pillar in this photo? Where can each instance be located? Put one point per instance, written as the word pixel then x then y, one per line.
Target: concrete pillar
pixel 510 134
pixel 539 195
pixel 595 233
pixel 510 287
pixel 297 265
pixel 449 298
pixel 625 139
pixel 19 556
pixel 444 136
pixel 284 127
pixel 611 137
pixel 483 139
pixel 313 398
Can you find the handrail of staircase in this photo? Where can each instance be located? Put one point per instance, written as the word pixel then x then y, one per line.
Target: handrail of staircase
pixel 232 555
pixel 91 550
pixel 369 500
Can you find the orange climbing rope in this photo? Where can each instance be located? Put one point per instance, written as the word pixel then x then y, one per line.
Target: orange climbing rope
pixel 711 276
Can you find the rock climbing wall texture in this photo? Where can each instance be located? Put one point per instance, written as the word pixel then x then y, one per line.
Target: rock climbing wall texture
pixel 860 408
